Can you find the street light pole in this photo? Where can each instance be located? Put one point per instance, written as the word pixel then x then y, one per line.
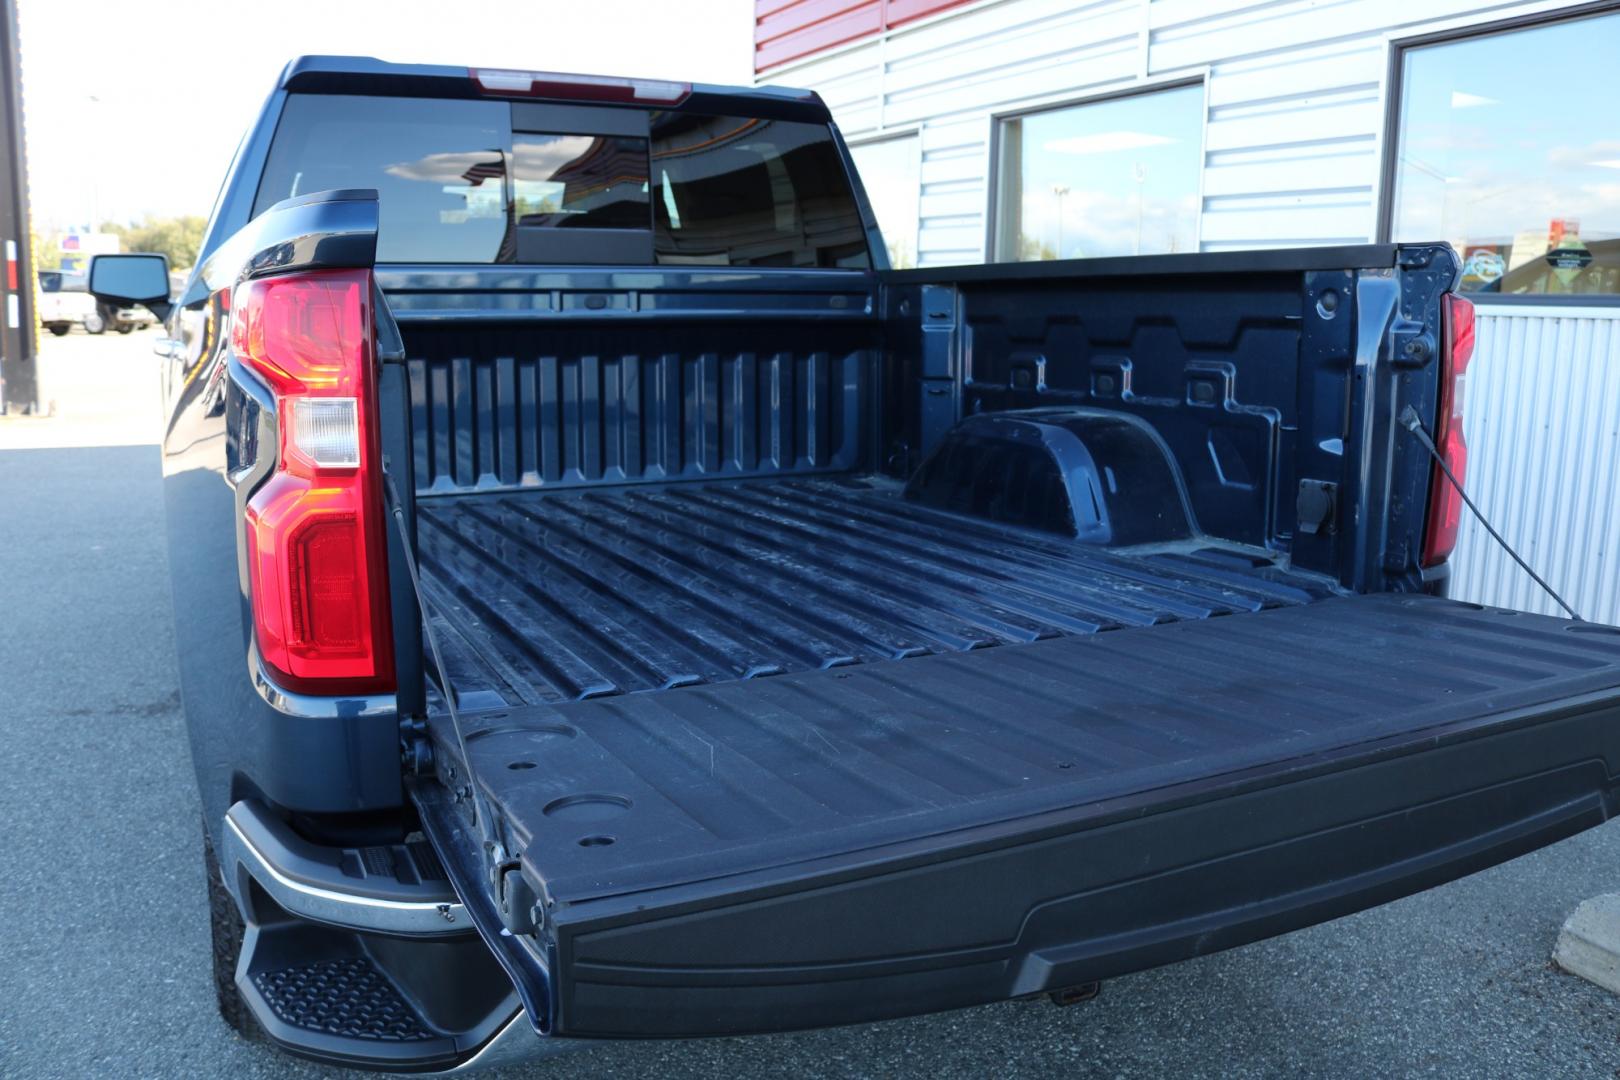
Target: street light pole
pixel 1140 173
pixel 1060 190
pixel 95 177
pixel 19 381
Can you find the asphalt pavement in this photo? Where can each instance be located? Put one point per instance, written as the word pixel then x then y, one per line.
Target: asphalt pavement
pixel 104 961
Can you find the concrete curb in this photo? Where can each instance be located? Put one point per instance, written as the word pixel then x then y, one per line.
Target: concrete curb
pixel 1589 943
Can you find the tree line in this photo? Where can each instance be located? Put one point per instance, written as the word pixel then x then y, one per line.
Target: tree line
pixel 177 237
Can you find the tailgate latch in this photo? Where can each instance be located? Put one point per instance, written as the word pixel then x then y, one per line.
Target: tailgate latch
pixel 520 908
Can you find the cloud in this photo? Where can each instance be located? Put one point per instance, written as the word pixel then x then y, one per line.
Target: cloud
pixel 1462 100
pixel 1607 196
pixel 1106 142
pixel 445 168
pixel 1103 223
pixel 543 155
pixel 1604 152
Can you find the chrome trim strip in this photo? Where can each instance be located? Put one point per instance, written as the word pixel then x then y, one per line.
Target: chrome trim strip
pixel 407 918
pixel 515 1043
pixel 315 706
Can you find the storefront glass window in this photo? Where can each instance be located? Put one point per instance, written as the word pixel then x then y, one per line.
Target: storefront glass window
pixel 1509 149
pixel 1112 177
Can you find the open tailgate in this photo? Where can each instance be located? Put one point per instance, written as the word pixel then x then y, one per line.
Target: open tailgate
pixel 919 834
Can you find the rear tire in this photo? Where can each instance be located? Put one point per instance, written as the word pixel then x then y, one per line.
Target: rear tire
pixel 95 324
pixel 60 330
pixel 225 924
pixel 124 327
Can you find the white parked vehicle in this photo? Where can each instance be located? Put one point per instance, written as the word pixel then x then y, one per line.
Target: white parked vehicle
pixel 127 319
pixel 64 302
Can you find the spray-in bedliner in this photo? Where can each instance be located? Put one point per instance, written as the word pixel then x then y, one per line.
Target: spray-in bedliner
pixel 558 596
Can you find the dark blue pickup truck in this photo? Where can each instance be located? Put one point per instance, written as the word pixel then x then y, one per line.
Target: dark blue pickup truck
pixel 611 603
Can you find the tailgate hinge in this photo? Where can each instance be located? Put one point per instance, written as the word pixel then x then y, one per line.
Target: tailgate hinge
pixel 415 748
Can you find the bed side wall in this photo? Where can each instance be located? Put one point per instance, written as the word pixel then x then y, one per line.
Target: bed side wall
pixel 578 378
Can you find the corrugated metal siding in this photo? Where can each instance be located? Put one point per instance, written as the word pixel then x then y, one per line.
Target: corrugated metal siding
pixel 1295 105
pixel 785 30
pixel 1542 417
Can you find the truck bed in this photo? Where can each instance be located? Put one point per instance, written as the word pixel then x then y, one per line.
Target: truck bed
pixel 928 672
pixel 658 586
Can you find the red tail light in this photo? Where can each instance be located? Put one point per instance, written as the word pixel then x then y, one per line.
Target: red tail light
pixel 1445 504
pixel 315 540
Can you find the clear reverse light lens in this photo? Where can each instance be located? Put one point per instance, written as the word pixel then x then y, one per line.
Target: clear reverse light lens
pixel 511 81
pixel 327 431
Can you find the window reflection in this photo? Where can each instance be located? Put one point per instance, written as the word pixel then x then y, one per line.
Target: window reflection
pixel 585 181
pixel 438 167
pixel 744 191
pixel 1113 177
pixel 1508 149
pixel 888 171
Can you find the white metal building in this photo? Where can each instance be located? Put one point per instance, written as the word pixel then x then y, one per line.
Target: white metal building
pixel 1019 129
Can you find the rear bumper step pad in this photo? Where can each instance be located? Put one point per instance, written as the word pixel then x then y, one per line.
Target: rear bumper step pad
pixel 320 994
pixel 346 997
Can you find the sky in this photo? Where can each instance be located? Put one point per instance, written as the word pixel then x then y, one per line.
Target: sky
pixel 135 108
pixel 1484 159
pixel 1117 177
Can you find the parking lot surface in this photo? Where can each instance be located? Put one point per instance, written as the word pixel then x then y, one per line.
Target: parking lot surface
pixel 104 960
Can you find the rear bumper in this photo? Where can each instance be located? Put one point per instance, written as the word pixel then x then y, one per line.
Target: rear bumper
pixel 398 889
pixel 365 956
pixel 1052 903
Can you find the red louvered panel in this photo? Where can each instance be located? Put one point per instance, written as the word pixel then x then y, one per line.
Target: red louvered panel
pixel 787 31
pixel 903 11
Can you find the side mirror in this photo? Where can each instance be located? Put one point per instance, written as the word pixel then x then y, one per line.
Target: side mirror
pixel 123 280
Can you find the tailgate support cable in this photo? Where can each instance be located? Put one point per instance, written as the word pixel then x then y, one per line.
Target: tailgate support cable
pixel 1410 420
pixel 493 850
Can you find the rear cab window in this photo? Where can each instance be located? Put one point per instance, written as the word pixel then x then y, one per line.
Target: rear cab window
pixel 479 181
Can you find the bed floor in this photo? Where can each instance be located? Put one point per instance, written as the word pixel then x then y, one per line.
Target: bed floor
pixel 544 597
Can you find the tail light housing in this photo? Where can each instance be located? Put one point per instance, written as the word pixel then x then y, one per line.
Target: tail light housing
pixel 315 541
pixel 1445 503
